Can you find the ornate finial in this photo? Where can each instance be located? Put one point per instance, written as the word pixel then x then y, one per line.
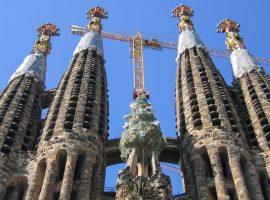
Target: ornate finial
pixel 184 13
pixel 45 32
pixel 231 28
pixel 95 14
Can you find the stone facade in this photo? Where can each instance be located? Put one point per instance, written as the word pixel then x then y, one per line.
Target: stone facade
pixel 20 112
pixel 254 95
pixel 222 136
pixel 218 161
pixel 71 148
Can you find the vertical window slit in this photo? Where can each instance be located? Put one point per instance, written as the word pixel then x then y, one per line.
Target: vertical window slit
pixel 61 89
pixel 68 124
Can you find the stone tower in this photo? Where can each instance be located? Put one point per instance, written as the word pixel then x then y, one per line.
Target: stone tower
pixel 223 132
pixel 70 162
pixel 20 111
pixel 140 146
pixel 217 161
pixel 253 85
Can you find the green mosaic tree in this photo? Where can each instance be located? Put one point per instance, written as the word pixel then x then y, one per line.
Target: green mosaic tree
pixel 142 130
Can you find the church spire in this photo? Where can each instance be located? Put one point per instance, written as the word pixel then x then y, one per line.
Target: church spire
pixel 242 61
pixel 76 126
pixel 91 35
pixel 252 84
pixel 188 37
pixel 205 116
pixel 35 63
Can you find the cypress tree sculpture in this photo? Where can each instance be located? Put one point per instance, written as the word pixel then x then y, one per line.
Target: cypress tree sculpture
pixel 140 147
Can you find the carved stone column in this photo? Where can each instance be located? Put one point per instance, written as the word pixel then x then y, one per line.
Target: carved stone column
pixel 49 180
pixel 238 178
pixel 218 175
pixel 200 178
pixel 68 177
pixel 254 182
pixel 85 181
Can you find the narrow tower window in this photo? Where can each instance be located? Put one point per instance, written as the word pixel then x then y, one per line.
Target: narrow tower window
pixel 17 189
pixel 207 163
pixel 79 167
pixel 265 186
pixel 41 169
pixel 61 164
pixel 224 160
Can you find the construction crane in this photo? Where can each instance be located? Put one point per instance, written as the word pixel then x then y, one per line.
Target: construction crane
pixel 138 43
pixel 155 44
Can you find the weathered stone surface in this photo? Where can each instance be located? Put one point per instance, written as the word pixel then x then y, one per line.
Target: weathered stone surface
pixel 217 160
pixel 222 134
pixel 70 152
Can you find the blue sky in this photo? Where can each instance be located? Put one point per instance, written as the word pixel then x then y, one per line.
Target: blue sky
pixel 19 20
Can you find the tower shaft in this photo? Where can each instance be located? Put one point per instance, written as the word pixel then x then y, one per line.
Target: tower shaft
pixel 211 135
pixel 255 104
pixel 20 113
pixel 212 142
pixel 252 84
pixel 20 110
pixel 70 158
pixel 74 131
pixel 254 89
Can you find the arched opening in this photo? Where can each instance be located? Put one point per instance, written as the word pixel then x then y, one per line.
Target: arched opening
pixel 175 174
pixel 232 194
pixel 265 184
pixel 212 194
pixel 244 167
pixel 56 195
pixel 79 167
pixel 189 178
pixel 207 163
pixel 111 178
pixel 60 165
pixel 227 173
pixel 41 169
pixel 98 176
pixel 61 160
pixel 224 161
pixel 16 189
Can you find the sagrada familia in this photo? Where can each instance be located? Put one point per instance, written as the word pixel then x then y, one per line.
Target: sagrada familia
pixel 223 131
